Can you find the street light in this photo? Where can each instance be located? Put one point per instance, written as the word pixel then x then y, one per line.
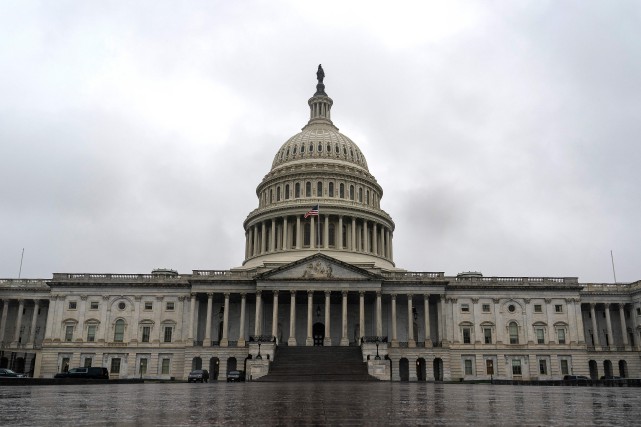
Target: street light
pixel 377 356
pixel 259 357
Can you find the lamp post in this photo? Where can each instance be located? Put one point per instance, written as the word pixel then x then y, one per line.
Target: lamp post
pixel 259 357
pixel 377 356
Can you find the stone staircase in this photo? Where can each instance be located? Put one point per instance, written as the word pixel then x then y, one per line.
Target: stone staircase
pixel 314 364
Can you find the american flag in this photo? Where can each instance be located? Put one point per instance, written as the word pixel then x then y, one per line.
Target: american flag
pixel 312 212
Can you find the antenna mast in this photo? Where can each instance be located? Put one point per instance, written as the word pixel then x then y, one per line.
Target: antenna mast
pixel 613 270
pixel 21 258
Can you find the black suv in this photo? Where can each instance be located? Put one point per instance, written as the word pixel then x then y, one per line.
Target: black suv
pixel 199 375
pixel 235 376
pixel 91 373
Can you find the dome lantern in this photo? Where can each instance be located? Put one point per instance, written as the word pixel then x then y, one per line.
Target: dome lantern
pixel 320 104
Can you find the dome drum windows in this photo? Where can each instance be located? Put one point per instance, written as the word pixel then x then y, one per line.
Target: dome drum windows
pixel 319 189
pixel 331 189
pixel 286 191
pixel 308 189
pixel 297 190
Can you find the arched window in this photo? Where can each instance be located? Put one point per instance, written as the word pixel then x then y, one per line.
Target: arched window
pixel 331 189
pixel 360 195
pixel 311 147
pixel 367 197
pixel 341 191
pixel 308 189
pixel 297 190
pixel 294 151
pixel 286 191
pixel 337 149
pixel 119 330
pixel 351 192
pixel 513 329
pixel 319 189
pixel 302 148
pixel 278 194
pixel 271 196
pixel 320 147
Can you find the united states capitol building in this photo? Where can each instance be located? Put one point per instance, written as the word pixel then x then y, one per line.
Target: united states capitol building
pixel 327 278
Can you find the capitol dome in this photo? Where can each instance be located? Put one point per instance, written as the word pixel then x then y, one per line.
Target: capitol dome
pixel 321 168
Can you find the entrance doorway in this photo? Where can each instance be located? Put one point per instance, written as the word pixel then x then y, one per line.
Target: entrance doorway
pixel 404 369
pixel 421 369
pixel 594 370
pixel 438 369
pixel 318 331
pixel 214 367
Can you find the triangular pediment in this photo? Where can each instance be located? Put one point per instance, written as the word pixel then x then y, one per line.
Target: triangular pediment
pixel 318 267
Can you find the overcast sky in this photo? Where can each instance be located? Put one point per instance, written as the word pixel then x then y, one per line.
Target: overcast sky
pixel 506 135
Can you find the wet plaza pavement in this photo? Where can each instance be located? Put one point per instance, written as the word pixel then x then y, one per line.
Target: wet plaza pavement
pixel 172 404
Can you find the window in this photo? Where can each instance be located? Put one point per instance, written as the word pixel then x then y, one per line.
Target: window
pixel 146 332
pixel 165 366
pixel 93 305
pixel 143 366
pixel 170 306
pixel 538 308
pixel 487 332
pixel 511 308
pixel 468 367
pixel 115 365
pixel 514 333
pixel 69 333
pixel 149 305
pixel 64 366
pixel 540 336
pixel 360 195
pixel 466 336
pixel 119 330
pixel 122 305
pixel 543 367
pixel 486 308
pixel 286 191
pixel 91 333
pixel 88 362
pixel 565 370
pixel 278 194
pixel 308 189
pixel 351 192
pixel 558 308
pixel 341 192
pixel 297 190
pixel 465 308
pixel 489 367
pixel 560 334
pixel 168 330
pixel 319 189
pixel 331 189
pixel 516 366
pixel 73 305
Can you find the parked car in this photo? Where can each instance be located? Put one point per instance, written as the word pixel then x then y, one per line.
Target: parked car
pixel 575 378
pixel 201 375
pixel 89 373
pixel 8 373
pixel 610 377
pixel 235 376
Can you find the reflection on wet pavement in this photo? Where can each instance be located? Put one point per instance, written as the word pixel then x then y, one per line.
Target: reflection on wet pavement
pixel 317 403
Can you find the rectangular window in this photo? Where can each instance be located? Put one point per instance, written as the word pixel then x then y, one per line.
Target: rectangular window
pixel 466 336
pixel 540 336
pixel 165 366
pixel 538 308
pixel 543 367
pixel 170 306
pixel 516 366
pixel 91 333
pixel 69 333
pixel 115 365
pixel 168 331
pixel 73 305
pixel 64 366
pixel 146 331
pixel 149 305
pixel 558 308
pixel 87 362
pixel 468 367
pixel 465 308
pixel 564 367
pixel 143 366
pixel 93 305
pixel 489 367
pixel 487 332
pixel 560 333
pixel 486 308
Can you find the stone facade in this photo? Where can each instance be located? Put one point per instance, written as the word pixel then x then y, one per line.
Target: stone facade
pixel 325 279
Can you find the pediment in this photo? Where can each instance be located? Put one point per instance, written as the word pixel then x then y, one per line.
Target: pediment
pixel 318 267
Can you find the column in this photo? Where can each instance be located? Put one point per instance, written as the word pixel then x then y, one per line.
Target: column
pixel 292 319
pixel 159 301
pixel 340 233
pixel 49 324
pixel 180 308
pixel 624 329
pixel 312 233
pixel 207 341
pixel 379 315
pixel 344 338
pixel 241 331
pixel 497 322
pixel 256 249
pixel 579 321
pixel 257 321
pixel 394 334
pixel 275 316
pixel 34 320
pixel 595 328
pixel 361 315
pixel 192 318
pixel 411 342
pixel 16 335
pixel 635 325
pixel 375 239
pixel 285 245
pixel 247 237
pixel 326 232
pixel 310 339
pixel 3 322
pixel 263 237
pixel 298 232
pixel 441 320
pixel 133 329
pixel 328 337
pixel 476 325
pixel 428 331
pixel 272 241
pixel 353 243
pixel 391 245
pixel 387 255
pixel 366 240
pixel 608 323
pixel 548 316
pixel 224 342
pixel 105 309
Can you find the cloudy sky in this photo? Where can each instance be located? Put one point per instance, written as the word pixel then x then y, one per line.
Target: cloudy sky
pixel 506 135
